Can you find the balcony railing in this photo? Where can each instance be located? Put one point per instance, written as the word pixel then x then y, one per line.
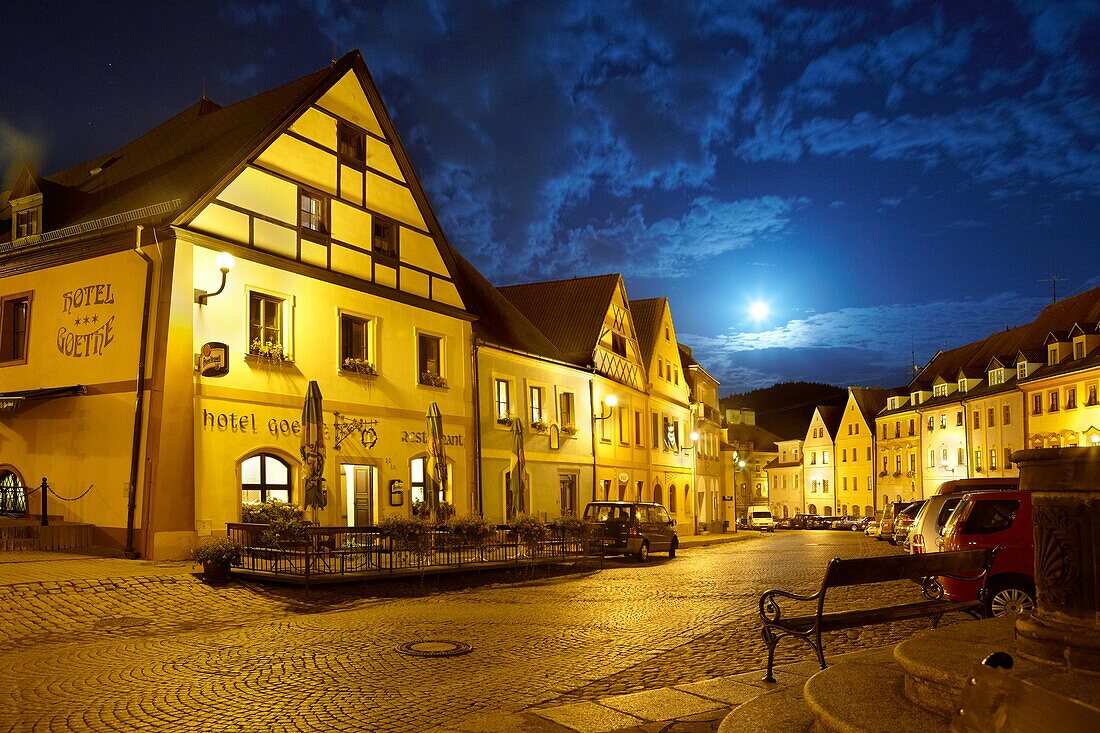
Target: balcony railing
pixel 331 554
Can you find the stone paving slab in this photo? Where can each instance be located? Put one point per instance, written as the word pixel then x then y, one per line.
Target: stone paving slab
pixel 589 717
pixel 723 689
pixel 663 704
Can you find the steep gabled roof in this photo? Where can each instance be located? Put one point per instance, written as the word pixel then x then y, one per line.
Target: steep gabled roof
pixel 832 416
pixel 570 313
pixel 870 401
pixel 646 315
pixel 182 158
pixel 499 322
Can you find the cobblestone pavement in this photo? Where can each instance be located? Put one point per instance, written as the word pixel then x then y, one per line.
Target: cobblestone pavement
pixel 165 652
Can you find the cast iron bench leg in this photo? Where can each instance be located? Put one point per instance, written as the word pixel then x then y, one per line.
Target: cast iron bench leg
pixel 770 640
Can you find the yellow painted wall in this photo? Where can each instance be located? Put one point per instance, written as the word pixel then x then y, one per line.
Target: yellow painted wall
pixel 275 391
pixel 346 99
pixel 84 326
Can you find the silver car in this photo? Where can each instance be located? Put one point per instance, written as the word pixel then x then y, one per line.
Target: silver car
pixel 926 531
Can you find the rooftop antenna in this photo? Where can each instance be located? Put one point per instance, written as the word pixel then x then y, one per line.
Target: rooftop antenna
pixel 1053 280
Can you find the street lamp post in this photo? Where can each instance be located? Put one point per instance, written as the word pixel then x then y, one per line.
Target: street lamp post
pixel 738 465
pixel 695 480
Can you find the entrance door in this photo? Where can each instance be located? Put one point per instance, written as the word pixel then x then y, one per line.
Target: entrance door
pixel 361 483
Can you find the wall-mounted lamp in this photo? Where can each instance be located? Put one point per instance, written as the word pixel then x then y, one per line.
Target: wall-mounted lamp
pixel 610 401
pixel 224 260
pixel 945 467
pixel 694 438
pixel 738 461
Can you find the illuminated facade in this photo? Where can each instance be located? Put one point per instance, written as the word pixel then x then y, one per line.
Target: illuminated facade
pixel 708 455
pixel 855 448
pixel 785 479
pixel 819 461
pixel 898 467
pixel 1061 396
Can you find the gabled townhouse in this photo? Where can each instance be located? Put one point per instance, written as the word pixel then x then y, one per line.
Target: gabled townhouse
pixel 526 388
pixel 995 420
pixel 855 448
pixel 750 448
pixel 670 417
pixel 898 449
pixel 177 394
pixel 785 479
pixel 1062 393
pixel 819 461
pixel 944 430
pixel 707 423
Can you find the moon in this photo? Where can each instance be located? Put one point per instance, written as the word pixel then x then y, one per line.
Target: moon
pixel 759 310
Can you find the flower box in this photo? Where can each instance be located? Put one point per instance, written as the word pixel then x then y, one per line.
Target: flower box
pixel 362 367
pixel 431 379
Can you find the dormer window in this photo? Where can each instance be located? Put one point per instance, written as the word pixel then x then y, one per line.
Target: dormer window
pixel 962 385
pixel 893 403
pixel 1021 370
pixel 1052 356
pixel 1079 348
pixel 28 222
pixel 996 376
pixel 940 390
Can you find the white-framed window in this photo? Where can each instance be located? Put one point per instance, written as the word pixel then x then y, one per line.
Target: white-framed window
pixel 357 340
pixel 996 376
pixel 990 417
pixel 429 352
pixel 384 240
pixel 1054 401
pixel 1021 370
pixel 1071 398
pixel 992 459
pixel 960 456
pixel 268 324
pixel 825 457
pixel 1079 348
pixel 566 409
pixel 1006 414
pixel 502 399
pixel 639 431
pixel 536 397
pixel 1052 356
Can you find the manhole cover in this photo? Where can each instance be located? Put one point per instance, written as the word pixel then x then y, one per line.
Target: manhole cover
pixel 434 648
pixel 121 622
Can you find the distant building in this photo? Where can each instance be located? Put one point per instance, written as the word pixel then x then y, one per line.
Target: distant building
pixel 785 479
pixel 855 445
pixel 747 450
pixel 708 453
pixel 819 461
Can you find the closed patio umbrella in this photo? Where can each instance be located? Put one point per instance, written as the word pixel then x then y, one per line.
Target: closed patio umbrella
pixel 313 449
pixel 437 459
pixel 518 470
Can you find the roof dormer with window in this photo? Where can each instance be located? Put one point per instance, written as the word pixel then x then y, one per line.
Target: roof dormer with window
pixel 26 208
pixel 1058 347
pixel 1085 340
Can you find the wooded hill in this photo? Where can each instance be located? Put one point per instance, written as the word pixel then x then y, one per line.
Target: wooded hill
pixel 786 408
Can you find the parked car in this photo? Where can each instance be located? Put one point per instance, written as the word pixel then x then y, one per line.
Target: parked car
pixel 928 525
pixel 632 528
pixel 801 521
pixel 845 523
pixel 819 522
pixel 903 521
pixel 872 529
pixel 991 519
pixel 784 523
pixel 864 523
pixel 886 521
pixel 760 517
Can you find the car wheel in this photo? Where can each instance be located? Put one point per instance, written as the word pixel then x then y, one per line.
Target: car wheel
pixel 672 548
pixel 643 552
pixel 1009 597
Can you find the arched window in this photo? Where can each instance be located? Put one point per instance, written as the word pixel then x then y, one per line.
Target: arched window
pixel 828 511
pixel 265 477
pixel 657 497
pixel 812 509
pixel 785 514
pixel 672 501
pixel 13 495
pixel 870 510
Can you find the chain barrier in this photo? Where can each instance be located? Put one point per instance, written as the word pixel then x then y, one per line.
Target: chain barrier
pixel 75 498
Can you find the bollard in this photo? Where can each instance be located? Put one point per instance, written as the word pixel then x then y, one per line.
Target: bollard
pixel 44 489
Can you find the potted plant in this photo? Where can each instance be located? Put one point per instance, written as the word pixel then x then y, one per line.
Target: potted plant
pixel 268 350
pixel 568 430
pixel 530 531
pixel 540 426
pixel 505 420
pixel 407 534
pixel 472 531
pixel 216 556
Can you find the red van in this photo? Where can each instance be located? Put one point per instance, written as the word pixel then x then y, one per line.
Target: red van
pixel 992 519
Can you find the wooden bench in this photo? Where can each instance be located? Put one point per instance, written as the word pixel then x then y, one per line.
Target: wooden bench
pixel 963 565
pixel 997 702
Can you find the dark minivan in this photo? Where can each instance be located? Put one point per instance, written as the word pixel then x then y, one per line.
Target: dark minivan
pixel 632 528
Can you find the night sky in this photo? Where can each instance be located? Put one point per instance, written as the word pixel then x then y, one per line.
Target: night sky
pixel 891 178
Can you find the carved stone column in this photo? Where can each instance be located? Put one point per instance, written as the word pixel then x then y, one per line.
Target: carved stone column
pixel 1065 486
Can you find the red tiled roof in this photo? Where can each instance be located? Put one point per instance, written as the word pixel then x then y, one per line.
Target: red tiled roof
pixel 646 315
pixel 570 313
